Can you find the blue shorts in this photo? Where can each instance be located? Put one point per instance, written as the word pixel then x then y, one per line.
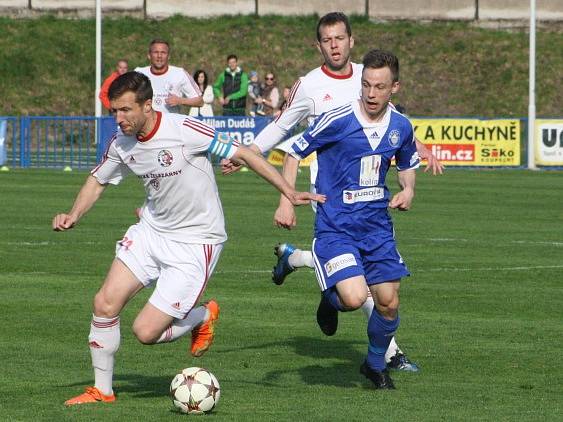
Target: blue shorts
pixel 338 258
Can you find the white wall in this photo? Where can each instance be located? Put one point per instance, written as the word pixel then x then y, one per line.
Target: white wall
pixel 164 8
pixel 378 9
pixel 520 9
pixel 85 4
pixel 422 9
pixel 14 4
pixel 302 7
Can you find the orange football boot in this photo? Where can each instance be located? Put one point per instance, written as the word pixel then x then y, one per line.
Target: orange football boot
pixel 202 336
pixel 91 395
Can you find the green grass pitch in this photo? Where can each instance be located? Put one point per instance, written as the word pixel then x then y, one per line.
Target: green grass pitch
pixel 482 313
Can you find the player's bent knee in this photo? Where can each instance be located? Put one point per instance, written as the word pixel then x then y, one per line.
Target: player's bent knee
pixel 104 308
pixel 353 302
pixel 145 334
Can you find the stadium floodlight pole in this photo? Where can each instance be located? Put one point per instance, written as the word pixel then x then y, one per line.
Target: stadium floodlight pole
pixel 532 89
pixel 98 103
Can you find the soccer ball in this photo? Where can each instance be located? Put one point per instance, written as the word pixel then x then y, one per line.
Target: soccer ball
pixel 195 390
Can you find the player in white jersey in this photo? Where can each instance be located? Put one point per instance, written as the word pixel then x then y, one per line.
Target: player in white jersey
pixel 172 86
pixel 178 240
pixel 335 83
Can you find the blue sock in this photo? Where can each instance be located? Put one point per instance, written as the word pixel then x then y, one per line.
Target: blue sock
pixel 380 333
pixel 331 295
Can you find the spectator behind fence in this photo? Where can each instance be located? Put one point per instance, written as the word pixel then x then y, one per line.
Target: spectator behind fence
pixel 172 86
pixel 254 94
pixel 121 67
pixel 203 83
pixel 231 88
pixel 270 95
pixel 285 95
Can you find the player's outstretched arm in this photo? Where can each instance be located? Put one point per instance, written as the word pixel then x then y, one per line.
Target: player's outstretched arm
pixel 86 198
pixel 402 200
pixel 285 216
pixel 268 172
pixel 433 163
pixel 230 167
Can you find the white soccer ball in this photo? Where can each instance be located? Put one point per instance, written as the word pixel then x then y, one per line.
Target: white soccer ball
pixel 195 390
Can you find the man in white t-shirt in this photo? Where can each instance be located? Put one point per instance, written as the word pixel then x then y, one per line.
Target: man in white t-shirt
pixel 335 83
pixel 172 86
pixel 180 235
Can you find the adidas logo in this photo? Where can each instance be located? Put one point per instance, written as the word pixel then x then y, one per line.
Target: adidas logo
pixel 374 135
pixel 327 97
pixel 132 159
pixel 95 345
pixel 176 305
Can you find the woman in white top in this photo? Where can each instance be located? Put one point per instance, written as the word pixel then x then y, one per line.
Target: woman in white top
pixel 207 108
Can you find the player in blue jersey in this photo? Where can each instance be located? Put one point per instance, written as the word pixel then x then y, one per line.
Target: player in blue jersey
pixel 354 241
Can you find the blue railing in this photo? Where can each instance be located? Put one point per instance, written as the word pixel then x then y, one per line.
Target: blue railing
pixel 57 142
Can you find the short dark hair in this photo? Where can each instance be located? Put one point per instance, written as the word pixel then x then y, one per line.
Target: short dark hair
pixel 376 59
pixel 131 82
pixel 159 41
pixel 232 56
pixel 331 19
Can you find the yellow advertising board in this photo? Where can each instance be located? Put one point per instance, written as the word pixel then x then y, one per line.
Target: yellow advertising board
pixel 549 142
pixel 471 142
pixel 276 158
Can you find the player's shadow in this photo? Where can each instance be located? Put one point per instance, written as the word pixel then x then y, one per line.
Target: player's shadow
pixel 137 385
pixel 337 361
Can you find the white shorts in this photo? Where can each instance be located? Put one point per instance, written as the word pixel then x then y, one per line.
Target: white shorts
pixel 181 270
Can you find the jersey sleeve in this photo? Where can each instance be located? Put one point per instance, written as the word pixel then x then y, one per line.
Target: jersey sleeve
pixel 188 87
pixel 299 106
pixel 111 169
pixel 406 156
pixel 326 129
pixel 202 138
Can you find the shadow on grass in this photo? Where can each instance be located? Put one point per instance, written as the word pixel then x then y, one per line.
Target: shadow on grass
pixel 324 351
pixel 136 385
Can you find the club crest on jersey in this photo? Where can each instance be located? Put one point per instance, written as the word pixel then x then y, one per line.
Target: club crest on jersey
pixel 394 137
pixel 165 158
pixel 155 183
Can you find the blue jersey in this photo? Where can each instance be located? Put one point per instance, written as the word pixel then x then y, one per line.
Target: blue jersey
pixel 354 157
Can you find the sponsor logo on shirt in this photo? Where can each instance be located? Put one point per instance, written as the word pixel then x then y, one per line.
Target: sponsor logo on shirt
pixel 327 97
pixel 394 137
pixel 374 135
pixel 369 170
pixel 165 158
pixel 339 263
pixel 301 143
pixel 155 183
pixel 362 195
pixel 132 159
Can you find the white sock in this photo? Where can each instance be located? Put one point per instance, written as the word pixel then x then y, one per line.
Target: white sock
pixel 367 307
pixel 104 341
pixel 392 350
pixel 181 327
pixel 301 258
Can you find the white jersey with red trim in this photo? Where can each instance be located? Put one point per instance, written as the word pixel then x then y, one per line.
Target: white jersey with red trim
pixel 313 94
pixel 182 200
pixel 174 81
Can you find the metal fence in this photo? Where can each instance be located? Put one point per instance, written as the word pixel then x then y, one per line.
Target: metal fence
pixel 55 142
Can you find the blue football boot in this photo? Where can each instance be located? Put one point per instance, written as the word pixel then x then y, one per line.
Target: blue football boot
pixel 282 268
